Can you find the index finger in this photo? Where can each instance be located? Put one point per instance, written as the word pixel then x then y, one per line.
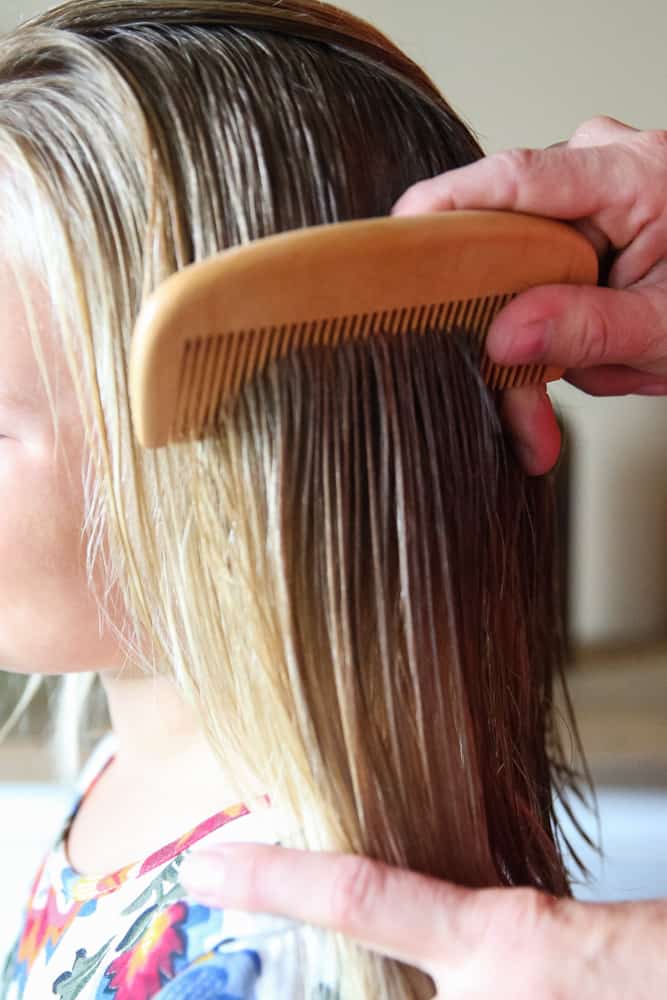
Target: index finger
pixel 560 182
pixel 397 913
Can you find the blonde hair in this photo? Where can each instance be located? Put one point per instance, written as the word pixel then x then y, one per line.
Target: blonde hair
pixel 352 582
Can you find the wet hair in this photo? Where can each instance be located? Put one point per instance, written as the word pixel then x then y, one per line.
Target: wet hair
pixel 353 582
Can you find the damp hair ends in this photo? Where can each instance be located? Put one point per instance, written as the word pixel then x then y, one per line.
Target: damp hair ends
pixel 352 582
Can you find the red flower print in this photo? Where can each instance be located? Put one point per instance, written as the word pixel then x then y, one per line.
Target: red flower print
pixel 44 927
pixel 143 968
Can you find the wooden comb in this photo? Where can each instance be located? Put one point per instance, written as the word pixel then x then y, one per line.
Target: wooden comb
pixel 211 327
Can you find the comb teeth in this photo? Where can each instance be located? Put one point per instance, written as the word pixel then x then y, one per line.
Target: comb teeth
pixel 215 369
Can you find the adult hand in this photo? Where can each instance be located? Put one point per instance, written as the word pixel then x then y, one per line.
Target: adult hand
pixel 610 181
pixel 511 944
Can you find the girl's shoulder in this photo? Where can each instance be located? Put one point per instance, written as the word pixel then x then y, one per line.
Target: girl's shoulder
pixel 136 933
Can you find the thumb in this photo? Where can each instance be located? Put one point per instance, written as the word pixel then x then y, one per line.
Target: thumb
pixel 572 326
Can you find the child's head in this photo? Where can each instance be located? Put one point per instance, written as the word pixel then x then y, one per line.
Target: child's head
pixel 135 139
pixel 353 582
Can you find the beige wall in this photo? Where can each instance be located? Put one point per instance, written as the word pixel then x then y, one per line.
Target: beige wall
pixel 526 73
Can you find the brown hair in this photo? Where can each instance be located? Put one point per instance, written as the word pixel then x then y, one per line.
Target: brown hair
pixel 354 582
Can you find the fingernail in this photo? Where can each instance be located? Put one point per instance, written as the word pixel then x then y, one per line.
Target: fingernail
pixel 534 441
pixel 202 874
pixel 512 344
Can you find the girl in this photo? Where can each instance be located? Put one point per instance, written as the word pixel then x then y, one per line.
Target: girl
pixel 333 623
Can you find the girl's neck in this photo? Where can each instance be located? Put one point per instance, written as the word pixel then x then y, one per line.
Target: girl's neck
pixel 164 779
pixel 158 734
pixel 151 721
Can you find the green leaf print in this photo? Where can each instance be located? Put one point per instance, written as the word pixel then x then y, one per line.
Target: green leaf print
pixel 137 929
pixel 8 971
pixel 69 985
pixel 174 894
pixel 164 887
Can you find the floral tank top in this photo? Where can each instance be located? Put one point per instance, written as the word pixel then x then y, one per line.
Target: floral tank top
pixel 136 935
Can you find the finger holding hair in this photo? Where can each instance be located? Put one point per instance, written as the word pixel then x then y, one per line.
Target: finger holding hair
pixel 509 943
pixel 578 327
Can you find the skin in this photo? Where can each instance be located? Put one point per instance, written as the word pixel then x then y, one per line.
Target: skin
pixel 513 944
pixel 42 574
pixel 49 621
pixel 610 181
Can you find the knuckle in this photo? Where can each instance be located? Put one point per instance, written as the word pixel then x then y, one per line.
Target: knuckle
pixel 598 122
pixel 513 166
pixel 594 337
pixel 533 909
pixel 414 194
pixel 514 917
pixel 527 923
pixel 356 890
pixel 657 139
pixel 253 877
pixel 418 197
pixel 530 915
pixel 517 160
pixel 596 127
pixel 543 915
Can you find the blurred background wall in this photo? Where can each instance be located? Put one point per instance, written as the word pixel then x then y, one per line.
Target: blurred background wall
pixel 526 74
